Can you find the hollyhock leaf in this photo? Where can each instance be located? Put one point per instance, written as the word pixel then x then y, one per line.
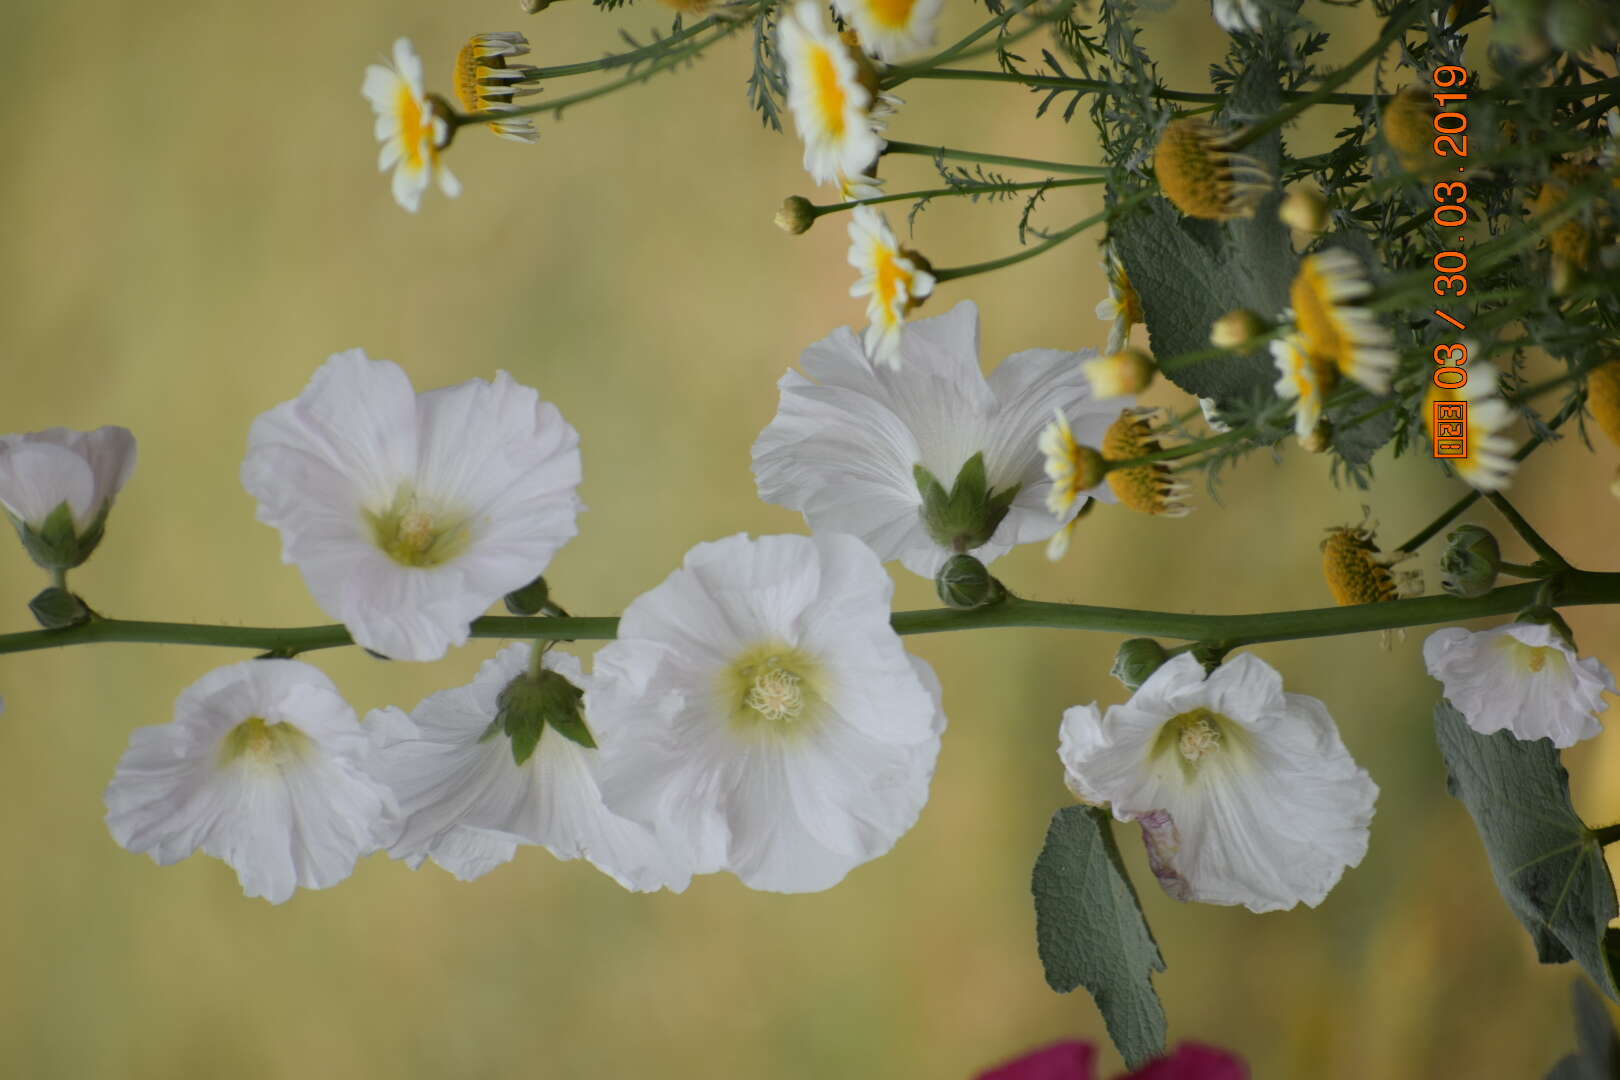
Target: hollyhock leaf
pixel 1090 930
pixel 1547 864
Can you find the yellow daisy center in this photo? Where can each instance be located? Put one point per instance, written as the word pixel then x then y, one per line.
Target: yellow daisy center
pixel 1324 339
pixel 412 125
pixel 891 278
pixel 1149 488
pixel 774 685
pixel 1603 398
pixel 262 742
pixel 828 90
pixel 1354 570
pixel 891 14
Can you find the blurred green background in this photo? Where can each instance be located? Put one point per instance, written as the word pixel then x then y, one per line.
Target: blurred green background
pixel 194 222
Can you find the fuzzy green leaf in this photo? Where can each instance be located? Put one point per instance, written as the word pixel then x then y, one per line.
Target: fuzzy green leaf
pixel 1547 864
pixel 1090 930
pixel 1597 1048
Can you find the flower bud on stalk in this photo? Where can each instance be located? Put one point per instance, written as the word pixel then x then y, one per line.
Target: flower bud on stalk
pixel 57 486
pixel 796 216
pixel 964 584
pixel 1136 660
pixel 1236 329
pixel 1304 209
pixel 1471 561
pixel 1126 372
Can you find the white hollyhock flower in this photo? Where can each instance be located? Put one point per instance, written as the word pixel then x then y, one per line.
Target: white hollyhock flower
pixel 264 766
pixel 410 128
pixel 468 804
pixel 409 514
pixel 849 433
pixel 758 710
pixel 1520 677
pixel 41 470
pixel 892 278
pixel 1245 793
pixel 830 106
pixel 892 30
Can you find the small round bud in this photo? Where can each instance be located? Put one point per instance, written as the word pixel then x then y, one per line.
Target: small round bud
pixel 1304 209
pixel 1471 561
pixel 1136 660
pixel 1236 329
pixel 58 609
pixel 796 216
pixel 964 583
pixel 1320 440
pixel 529 600
pixel 1126 372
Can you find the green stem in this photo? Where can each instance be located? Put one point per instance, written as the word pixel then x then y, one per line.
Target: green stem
pixel 963 189
pixel 1537 542
pixel 634 56
pixel 1577 588
pixel 1606 834
pixel 1523 570
pixel 952 273
pixel 952 154
pixel 1097 86
pixel 1398 22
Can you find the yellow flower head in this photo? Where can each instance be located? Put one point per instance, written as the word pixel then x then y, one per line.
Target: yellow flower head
pixel 1333 326
pixel 894 279
pixel 1203 176
pixel 1304 377
pixel 1123 307
pixel 1356 571
pixel 1603 398
pixel 1408 130
pixel 1572 242
pixel 485 82
pixel 1151 487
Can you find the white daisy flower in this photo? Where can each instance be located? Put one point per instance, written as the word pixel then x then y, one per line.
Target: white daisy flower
pixel 265 767
pixel 409 514
pixel 44 471
pixel 1520 677
pixel 892 30
pixel 1343 337
pixel 469 805
pixel 1245 792
pixel 1482 417
pixel 1123 306
pixel 1238 16
pixel 486 81
pixel 830 105
pixel 758 710
pixel 849 434
pixel 1303 377
pixel 893 278
pixel 410 127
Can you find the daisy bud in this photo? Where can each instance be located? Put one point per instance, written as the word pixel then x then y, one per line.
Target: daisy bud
pixel 529 600
pixel 1200 173
pixel 1150 488
pixel 1304 208
pixel 964 584
pixel 534 701
pixel 1471 561
pixel 1126 372
pixel 58 609
pixel 1136 660
pixel 57 487
pixel 796 216
pixel 1320 438
pixel 1236 329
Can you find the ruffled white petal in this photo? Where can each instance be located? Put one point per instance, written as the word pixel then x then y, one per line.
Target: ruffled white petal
pixel 280 819
pixel 490 454
pixel 787 810
pixel 1522 678
pixel 86 469
pixel 1270 817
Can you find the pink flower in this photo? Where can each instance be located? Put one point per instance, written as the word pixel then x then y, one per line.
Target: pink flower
pixel 1074 1060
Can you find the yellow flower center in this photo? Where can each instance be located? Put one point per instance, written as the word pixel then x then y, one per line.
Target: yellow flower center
pixel 1533 659
pixel 1603 398
pixel 891 14
pixel 1193 736
pixel 891 277
pixel 1354 571
pixel 774 685
pixel 1149 488
pixel 263 743
pixel 829 91
pixel 1329 348
pixel 471 68
pixel 412 534
pixel 412 125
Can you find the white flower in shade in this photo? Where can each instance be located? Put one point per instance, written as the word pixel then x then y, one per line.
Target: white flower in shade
pixel 1340 335
pixel 1075 470
pixel 264 766
pixel 1123 307
pixel 849 434
pixel 409 126
pixel 43 471
pixel 830 106
pixel 892 30
pixel 1301 377
pixel 894 280
pixel 1237 16
pixel 487 81
pixel 1476 410
pixel 758 711
pixel 1245 793
pixel 469 805
pixel 1520 677
pixel 409 514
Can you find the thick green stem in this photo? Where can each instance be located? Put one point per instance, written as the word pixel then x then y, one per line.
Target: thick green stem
pixel 1606 834
pixel 1576 588
pixel 952 154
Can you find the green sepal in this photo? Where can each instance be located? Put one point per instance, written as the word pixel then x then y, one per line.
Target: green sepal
pixel 968 516
pixel 58 609
pixel 1091 932
pixel 57 544
pixel 534 700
